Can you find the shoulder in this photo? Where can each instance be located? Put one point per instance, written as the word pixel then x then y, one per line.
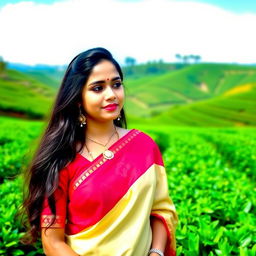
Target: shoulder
pixel 149 146
pixel 145 138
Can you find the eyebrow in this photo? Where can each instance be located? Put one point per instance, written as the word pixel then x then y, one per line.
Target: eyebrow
pixel 103 81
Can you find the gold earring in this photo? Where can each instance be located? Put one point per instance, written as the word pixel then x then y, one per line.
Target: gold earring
pixel 81 118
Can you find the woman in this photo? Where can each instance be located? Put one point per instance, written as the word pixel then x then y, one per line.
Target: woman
pixel 96 188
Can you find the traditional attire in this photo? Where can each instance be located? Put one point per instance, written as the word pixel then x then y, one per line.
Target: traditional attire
pixel 105 205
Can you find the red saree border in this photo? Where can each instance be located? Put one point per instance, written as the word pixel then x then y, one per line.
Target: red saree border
pixel 99 161
pixel 168 250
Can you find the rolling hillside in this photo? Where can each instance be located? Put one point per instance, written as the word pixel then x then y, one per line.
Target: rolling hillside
pixel 199 94
pixel 50 75
pixel 235 107
pixel 23 96
pixel 190 84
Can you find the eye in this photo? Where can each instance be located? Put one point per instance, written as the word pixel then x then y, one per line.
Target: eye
pixel 117 84
pixel 97 88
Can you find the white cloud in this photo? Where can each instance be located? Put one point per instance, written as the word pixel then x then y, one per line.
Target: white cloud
pixel 147 30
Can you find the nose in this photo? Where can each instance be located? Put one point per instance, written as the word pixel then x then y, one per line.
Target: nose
pixel 110 94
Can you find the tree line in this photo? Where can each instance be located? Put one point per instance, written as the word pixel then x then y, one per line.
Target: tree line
pixel 185 59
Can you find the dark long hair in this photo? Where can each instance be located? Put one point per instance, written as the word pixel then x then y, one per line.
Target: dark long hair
pixel 58 143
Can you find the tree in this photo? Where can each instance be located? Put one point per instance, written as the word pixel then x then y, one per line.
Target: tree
pixel 178 57
pixel 130 61
pixel 185 59
pixel 197 58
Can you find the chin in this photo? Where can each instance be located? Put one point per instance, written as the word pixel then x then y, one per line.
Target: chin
pixel 109 119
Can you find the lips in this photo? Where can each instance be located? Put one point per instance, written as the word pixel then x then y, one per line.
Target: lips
pixel 111 107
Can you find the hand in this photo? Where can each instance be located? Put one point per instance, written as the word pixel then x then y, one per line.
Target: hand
pixel 154 254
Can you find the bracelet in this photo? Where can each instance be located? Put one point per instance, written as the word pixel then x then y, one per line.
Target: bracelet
pixel 160 253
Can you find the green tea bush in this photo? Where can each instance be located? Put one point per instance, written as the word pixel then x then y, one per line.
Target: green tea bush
pixel 15 145
pixel 238 149
pixel 215 202
pixel 11 229
pixel 211 181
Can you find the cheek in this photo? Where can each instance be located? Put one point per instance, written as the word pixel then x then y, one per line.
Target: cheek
pixel 90 101
pixel 121 94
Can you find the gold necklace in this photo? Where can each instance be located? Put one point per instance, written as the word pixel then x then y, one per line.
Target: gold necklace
pixel 108 154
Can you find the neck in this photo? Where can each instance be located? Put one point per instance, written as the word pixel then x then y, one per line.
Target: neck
pixel 96 130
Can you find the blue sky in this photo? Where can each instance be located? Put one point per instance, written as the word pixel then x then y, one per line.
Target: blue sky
pixel 53 31
pixel 4 2
pixel 239 6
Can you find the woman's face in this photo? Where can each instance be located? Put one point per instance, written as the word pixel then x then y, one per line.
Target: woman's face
pixel 103 87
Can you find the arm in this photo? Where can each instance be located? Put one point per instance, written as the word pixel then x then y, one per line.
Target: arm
pixel 159 235
pixel 53 237
pixel 163 213
pixel 53 241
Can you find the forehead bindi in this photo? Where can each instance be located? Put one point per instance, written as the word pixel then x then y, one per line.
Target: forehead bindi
pixel 104 67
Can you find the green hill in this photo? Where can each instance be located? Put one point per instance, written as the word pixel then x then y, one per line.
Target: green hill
pixel 236 107
pixel 50 75
pixel 153 94
pixel 23 96
pixel 50 79
pixel 198 94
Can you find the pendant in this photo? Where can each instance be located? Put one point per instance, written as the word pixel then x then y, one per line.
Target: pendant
pixel 108 154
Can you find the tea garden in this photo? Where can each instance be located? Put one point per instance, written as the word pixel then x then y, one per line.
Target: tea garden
pixel 211 176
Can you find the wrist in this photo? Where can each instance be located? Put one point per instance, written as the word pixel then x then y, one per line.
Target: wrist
pixel 155 252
